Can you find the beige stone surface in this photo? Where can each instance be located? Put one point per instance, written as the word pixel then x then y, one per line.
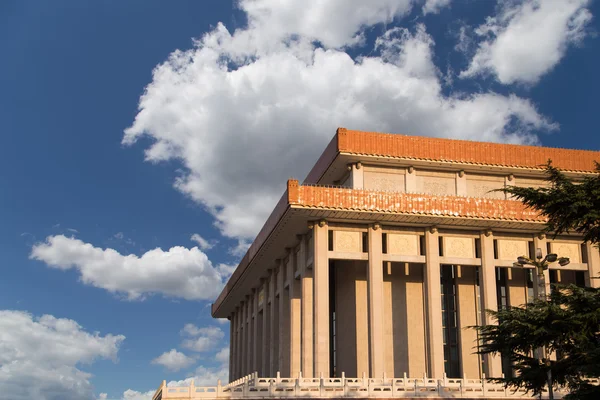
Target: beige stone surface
pixel 564 249
pixel 321 300
pixel 466 291
pixel 375 301
pixel 593 261
pixel 461 247
pixel 483 186
pixel 266 330
pixel 307 324
pixel 404 322
pixel 388 180
pixel 295 320
pixel 284 322
pixel 402 244
pixel 434 309
pixel 489 297
pixel 347 242
pixel 438 183
pixel 274 328
pixel 511 249
pixel 517 286
pixel 352 320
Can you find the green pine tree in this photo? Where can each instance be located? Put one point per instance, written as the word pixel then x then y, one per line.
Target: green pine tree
pixel 568 322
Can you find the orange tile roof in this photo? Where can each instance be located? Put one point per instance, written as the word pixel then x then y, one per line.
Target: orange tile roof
pixel 409 203
pixel 463 151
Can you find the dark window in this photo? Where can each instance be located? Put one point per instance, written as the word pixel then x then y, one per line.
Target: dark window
pixel 450 321
pixel 384 243
pixel 503 303
pixel 580 278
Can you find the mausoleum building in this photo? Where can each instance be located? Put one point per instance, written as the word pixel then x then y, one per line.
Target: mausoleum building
pixel 389 250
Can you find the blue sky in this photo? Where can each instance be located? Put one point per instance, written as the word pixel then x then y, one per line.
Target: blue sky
pixel 97 174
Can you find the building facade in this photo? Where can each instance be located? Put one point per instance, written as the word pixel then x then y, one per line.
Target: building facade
pixel 392 247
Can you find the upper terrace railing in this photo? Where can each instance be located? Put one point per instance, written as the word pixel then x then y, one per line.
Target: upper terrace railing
pixel 252 387
pixel 336 197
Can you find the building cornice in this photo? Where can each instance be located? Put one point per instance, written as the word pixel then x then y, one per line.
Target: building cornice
pixel 463 151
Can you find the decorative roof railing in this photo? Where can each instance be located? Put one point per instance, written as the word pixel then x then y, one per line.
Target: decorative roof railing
pixel 336 197
pixel 251 387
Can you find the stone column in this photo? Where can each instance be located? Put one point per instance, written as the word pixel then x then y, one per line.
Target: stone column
pixel 307 311
pixel 410 180
pixel 238 349
pixel 266 343
pixel 295 307
pixel 231 344
pixel 284 321
pixel 256 353
pixel 250 347
pixel 435 343
pixel 274 335
pixel 540 242
pixel 375 296
pixel 243 341
pixel 358 174
pixel 592 276
pixel 321 299
pixel 461 183
pixel 489 299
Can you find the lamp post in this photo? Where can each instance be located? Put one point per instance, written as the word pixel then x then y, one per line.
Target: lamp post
pixel 541 264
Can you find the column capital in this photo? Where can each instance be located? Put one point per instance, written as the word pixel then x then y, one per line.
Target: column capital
pixel 433 229
pixel 488 233
pixel 375 226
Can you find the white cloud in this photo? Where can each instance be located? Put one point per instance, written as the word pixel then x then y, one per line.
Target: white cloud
pixel 173 360
pixel 201 339
pixel 40 358
pixel 204 376
pixel 527 38
pixel 135 395
pixel 203 243
pixel 178 272
pixel 334 23
pixel 434 6
pixel 242 121
pixel 223 355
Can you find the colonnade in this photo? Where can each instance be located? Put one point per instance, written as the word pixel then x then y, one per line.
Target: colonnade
pixel 284 324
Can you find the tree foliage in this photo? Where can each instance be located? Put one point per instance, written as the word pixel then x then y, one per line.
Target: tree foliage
pixel 568 205
pixel 568 325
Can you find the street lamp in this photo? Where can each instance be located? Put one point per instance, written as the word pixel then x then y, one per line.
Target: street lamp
pixel 541 264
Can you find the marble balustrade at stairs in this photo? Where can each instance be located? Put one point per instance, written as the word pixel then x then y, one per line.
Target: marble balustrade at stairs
pixel 253 387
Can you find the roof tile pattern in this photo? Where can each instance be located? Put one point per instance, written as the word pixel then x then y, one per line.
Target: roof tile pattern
pixel 409 203
pixel 463 151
